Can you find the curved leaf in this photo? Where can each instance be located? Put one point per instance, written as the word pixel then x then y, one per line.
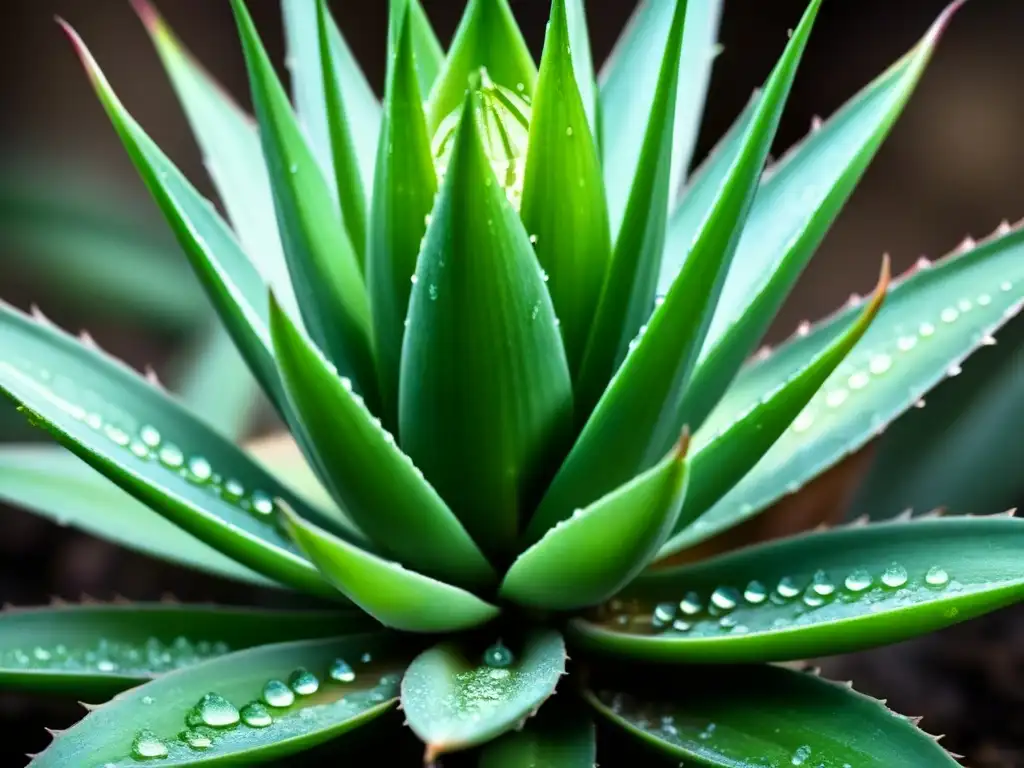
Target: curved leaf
pixel 818 594
pixel 628 84
pixel 563 207
pixel 638 231
pixel 231 147
pixel 796 204
pixel 638 412
pixel 307 57
pixel 454 699
pixel 50 481
pixel 582 60
pixel 321 259
pixel 428 54
pixel 551 739
pixel 377 484
pixel 598 551
pixel 151 447
pixel 97 650
pixel 747 716
pixel 931 321
pixel 396 597
pixel 487 37
pixel 484 381
pixel 402 198
pixel 727 456
pixel 159 719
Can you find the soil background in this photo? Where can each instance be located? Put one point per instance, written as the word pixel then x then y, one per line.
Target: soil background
pixel 952 167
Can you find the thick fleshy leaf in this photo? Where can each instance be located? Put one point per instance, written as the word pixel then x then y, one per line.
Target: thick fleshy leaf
pixel 582 60
pixel 231 148
pixel 725 457
pixel 396 597
pixel 321 258
pixel 930 322
pixel 458 696
pixel 97 650
pixel 244 708
pixel 629 81
pixel 428 54
pixel 113 256
pixel 961 452
pixel 638 413
pixel 402 199
pixel 488 37
pixel 749 716
pixel 485 382
pixel 600 549
pixel 564 208
pixel 817 594
pixel 557 737
pixel 49 481
pixel 306 60
pixel 794 208
pixel 376 484
pixel 638 231
pixel 151 447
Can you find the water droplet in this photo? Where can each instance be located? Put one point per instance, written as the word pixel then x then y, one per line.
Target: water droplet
pixel 303 682
pixel 1006 285
pixel 880 364
pixel 215 711
pixel 568 131
pixel 906 343
pixel 859 380
pixel 725 598
pixel 533 239
pixel 803 421
pixel 498 656
pixel 277 694
pixel 199 469
pixel 139 449
pixel 786 588
pixel 262 504
pixel 414 279
pixel 196 738
pixel 119 436
pixel 926 329
pixel 821 584
pixel 233 489
pixel 664 614
pixel 954 370
pixel 894 576
pixel 965 305
pixel 171 456
pixel 801 755
pixel 293 168
pixel 949 315
pixel 147 746
pixel 147 700
pixel 727 622
pixel 858 581
pixel 812 599
pixel 679 625
pixel 755 593
pixel 41 654
pixel 341 671
pixel 691 605
pixel 432 291
pixel 707 733
pixel 936 576
pixel 255 715
pixel 984 300
pixel 836 397
pixel 150 436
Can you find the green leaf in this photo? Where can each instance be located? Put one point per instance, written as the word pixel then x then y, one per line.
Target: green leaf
pixel 162 712
pixel 600 549
pixel 818 594
pixel 49 481
pixel 582 60
pixel 629 81
pixel 747 716
pixel 321 258
pixel 725 457
pixel 454 699
pixel 557 737
pixel 962 451
pixel 428 53
pixel 930 322
pixel 377 484
pixel 151 447
pixel 638 413
pixel 794 208
pixel 235 287
pixel 97 650
pixel 231 146
pixel 485 382
pixel 307 57
pixel 396 597
pixel 402 199
pixel 112 256
pixel 487 37
pixel 638 231
pixel 564 208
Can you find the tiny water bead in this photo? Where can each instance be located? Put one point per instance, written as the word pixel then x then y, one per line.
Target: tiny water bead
pixel 926 330
pixel 821 584
pixel 113 657
pixel 936 576
pixel 148 746
pixel 196 739
pixel 691 604
pixel 215 711
pixel 787 588
pixel 801 755
pixel 949 315
pixel 341 671
pixel 858 581
pixel 199 470
pixel 664 613
pixel 255 715
pixel 304 682
pixel 498 656
pixel 724 598
pixel 276 693
pixel 894 576
pixel 755 593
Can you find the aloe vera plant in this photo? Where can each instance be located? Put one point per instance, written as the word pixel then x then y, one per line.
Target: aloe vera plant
pixel 518 366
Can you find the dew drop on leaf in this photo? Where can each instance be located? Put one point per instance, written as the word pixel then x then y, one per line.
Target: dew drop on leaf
pixel 858 581
pixel 214 711
pixel 498 656
pixel 277 694
pixel 147 746
pixel 755 593
pixel 786 588
pixel 894 576
pixel 341 671
pixel 303 682
pixel 724 598
pixel 936 576
pixel 691 604
pixel 196 739
pixel 255 715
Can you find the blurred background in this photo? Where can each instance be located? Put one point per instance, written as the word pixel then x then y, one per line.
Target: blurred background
pixel 952 167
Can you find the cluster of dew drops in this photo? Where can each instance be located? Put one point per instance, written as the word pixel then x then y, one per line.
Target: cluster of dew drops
pixel 716 613
pixel 214 715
